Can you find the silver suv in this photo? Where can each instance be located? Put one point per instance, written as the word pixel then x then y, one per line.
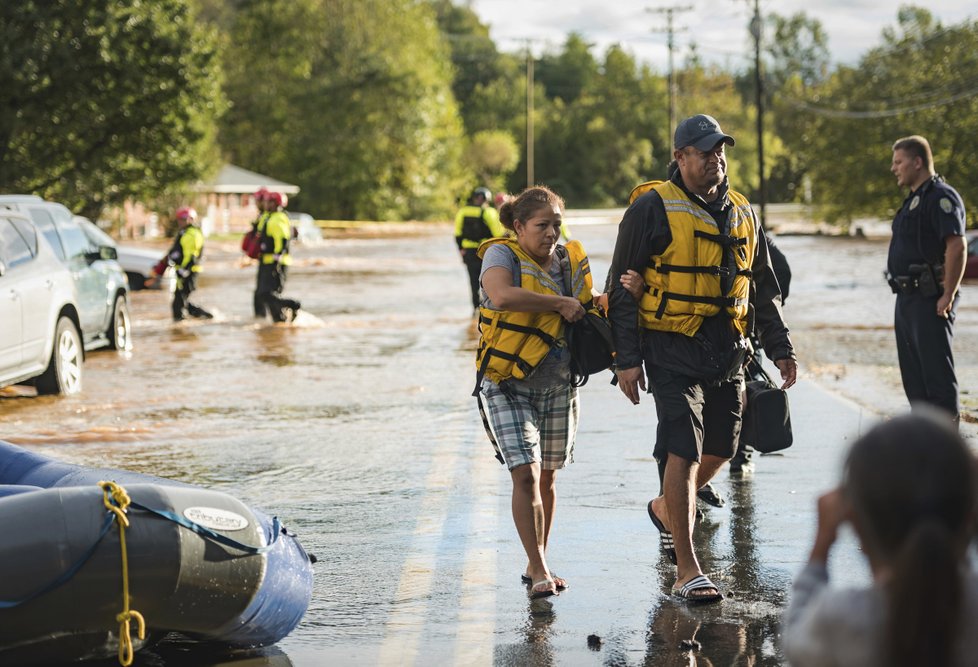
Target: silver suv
pixel 40 335
pixel 102 287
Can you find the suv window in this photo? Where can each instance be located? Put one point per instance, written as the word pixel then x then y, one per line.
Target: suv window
pixel 74 239
pixel 45 223
pixel 13 248
pixel 28 232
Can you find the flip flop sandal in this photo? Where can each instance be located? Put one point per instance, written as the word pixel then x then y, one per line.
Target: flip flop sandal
pixel 536 595
pixel 698 583
pixel 560 588
pixel 665 537
pixel 709 495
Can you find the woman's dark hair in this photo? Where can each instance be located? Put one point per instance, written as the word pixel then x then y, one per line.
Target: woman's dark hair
pixel 525 204
pixel 910 484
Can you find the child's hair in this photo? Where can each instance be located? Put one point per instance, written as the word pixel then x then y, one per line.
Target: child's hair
pixel 525 204
pixel 910 484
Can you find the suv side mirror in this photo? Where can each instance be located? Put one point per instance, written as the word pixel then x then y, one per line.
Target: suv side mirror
pixel 103 252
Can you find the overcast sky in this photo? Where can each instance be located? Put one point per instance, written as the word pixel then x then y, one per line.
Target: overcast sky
pixel 719 27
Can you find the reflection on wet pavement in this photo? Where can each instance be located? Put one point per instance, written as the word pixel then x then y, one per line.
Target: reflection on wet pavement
pixel 357 428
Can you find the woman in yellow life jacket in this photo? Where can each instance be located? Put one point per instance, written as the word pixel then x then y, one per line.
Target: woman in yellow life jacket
pixel 531 287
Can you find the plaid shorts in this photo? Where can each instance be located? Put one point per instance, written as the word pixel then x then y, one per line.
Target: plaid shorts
pixel 533 425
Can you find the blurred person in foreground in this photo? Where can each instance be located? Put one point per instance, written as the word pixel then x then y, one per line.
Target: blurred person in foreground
pixel 275 229
pixel 909 492
pixel 476 222
pixel 924 268
pixel 704 260
pixel 531 288
pixel 185 256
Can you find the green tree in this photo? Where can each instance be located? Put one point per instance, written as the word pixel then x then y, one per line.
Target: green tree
pixel 352 100
pixel 105 100
pixel 492 155
pixel 919 81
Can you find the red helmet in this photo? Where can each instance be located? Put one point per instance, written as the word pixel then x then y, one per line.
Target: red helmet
pixel 186 212
pixel 280 199
pixel 261 194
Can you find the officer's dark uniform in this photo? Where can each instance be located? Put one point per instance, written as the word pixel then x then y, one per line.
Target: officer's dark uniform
pixel 928 216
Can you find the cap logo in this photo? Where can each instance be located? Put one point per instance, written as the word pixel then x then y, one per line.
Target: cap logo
pixel 704 125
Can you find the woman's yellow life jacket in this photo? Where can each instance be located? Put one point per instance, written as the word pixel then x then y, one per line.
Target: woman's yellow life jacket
pixel 683 284
pixel 513 343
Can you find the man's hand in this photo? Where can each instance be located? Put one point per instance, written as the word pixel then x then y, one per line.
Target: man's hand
pixel 629 381
pixel 944 305
pixel 789 371
pixel 151 280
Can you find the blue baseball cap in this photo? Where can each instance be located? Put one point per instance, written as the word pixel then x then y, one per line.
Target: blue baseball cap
pixel 702 132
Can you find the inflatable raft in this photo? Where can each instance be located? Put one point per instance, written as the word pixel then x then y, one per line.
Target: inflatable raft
pixel 78 583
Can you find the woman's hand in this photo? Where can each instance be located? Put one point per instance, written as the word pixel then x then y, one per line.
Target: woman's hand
pixel 570 308
pixel 832 513
pixel 634 283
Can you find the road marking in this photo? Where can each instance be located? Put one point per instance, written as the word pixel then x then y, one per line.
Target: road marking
pixel 402 632
pixel 476 617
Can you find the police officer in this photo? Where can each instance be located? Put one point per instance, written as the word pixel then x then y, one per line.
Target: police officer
pixel 185 256
pixel 924 268
pixel 474 223
pixel 276 236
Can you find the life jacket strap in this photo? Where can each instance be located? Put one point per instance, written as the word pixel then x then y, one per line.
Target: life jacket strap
pixel 726 240
pixel 721 301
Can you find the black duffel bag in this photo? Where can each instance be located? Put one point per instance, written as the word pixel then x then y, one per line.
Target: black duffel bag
pixel 590 345
pixel 767 419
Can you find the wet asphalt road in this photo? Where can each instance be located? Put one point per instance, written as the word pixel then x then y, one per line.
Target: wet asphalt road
pixel 357 428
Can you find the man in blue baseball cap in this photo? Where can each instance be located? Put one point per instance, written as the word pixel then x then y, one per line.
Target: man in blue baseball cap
pixel 708 281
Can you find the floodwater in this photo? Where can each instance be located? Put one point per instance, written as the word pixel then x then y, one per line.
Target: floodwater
pixel 356 426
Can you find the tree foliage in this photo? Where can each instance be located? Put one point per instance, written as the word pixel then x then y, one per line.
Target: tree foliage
pixel 921 80
pixel 350 98
pixel 105 100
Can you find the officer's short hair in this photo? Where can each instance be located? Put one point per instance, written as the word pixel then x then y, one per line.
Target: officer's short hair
pixel 916 146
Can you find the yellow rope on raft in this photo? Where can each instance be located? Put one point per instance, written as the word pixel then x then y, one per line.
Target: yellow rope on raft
pixel 116 500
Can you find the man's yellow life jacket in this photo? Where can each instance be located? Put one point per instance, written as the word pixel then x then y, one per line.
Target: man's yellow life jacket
pixel 513 343
pixel 683 284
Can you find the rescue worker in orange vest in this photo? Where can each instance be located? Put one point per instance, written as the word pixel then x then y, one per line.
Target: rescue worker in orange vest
pixel 276 235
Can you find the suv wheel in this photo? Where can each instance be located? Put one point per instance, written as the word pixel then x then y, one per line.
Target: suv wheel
pixel 64 372
pixel 120 329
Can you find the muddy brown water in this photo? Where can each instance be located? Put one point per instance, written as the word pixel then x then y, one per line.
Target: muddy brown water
pixel 356 427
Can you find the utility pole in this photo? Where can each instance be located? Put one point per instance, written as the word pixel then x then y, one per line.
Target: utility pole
pixel 670 31
pixel 757 31
pixel 529 116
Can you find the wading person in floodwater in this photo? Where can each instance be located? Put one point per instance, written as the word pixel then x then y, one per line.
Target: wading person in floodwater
pixel 704 261
pixel 185 256
pixel 909 492
pixel 531 287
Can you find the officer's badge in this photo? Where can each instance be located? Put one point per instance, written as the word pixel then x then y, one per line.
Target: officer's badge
pixel 915 202
pixel 946 205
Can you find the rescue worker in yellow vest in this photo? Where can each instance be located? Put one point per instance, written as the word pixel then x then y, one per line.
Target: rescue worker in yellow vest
pixel 704 260
pixel 276 235
pixel 185 255
pixel 531 287
pixel 259 196
pixel 474 223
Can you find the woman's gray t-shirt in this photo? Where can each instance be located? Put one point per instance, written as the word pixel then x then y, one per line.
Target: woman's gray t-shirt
pixel 555 367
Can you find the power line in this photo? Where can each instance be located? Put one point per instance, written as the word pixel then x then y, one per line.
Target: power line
pixel 881 113
pixel 670 31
